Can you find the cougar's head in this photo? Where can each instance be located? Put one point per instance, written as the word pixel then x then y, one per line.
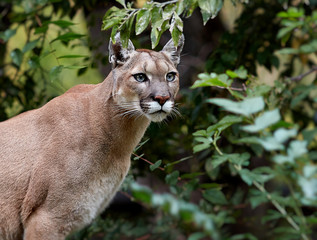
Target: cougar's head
pixel 145 82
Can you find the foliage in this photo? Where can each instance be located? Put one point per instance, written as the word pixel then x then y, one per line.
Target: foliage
pixel 242 162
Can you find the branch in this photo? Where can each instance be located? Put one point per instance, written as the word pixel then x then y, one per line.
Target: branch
pixel 300 77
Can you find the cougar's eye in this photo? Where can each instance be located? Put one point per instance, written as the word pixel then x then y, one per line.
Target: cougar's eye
pixel 140 77
pixel 170 77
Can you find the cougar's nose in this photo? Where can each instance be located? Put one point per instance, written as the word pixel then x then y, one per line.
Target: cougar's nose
pixel 161 99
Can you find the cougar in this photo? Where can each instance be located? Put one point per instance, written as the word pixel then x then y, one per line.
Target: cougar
pixel 61 164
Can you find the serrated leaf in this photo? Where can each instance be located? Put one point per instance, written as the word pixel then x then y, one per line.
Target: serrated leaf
pixel 156 165
pixel 265 120
pixel 142 21
pixel 246 107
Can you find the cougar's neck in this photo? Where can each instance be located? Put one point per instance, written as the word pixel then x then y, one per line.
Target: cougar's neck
pixel 122 133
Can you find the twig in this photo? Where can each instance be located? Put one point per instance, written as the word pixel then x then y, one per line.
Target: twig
pixel 300 77
pixel 149 162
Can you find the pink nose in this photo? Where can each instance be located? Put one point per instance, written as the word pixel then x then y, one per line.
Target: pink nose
pixel 161 99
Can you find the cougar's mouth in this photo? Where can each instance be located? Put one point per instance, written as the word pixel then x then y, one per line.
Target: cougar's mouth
pixel 156 112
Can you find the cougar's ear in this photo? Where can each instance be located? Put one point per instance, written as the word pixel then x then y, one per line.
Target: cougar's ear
pixel 174 51
pixel 117 54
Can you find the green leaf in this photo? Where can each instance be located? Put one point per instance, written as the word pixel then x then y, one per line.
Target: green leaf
pixel 17 56
pixel 172 178
pixel 74 67
pixel 72 56
pixel 62 23
pixel 55 72
pixel 247 176
pixel 141 193
pixel 270 144
pixel 142 21
pixel 243 236
pixel 246 107
pixel 288 51
pixel 209 8
pixel 122 2
pixel 215 196
pixel 217 160
pixel 34 62
pixel 201 147
pixel 196 236
pixel 168 11
pixel 265 120
pixel 176 28
pixel 282 135
pixel 29 46
pixel 156 165
pixel 7 34
pixel 224 123
pixel 297 149
pixel 257 198
pixel 210 80
pixel 68 37
pixel 41 29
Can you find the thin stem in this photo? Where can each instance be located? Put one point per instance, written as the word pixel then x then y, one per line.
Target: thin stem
pixel 300 77
pixel 280 208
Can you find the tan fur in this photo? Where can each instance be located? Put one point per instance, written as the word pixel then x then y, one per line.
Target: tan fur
pixel 61 164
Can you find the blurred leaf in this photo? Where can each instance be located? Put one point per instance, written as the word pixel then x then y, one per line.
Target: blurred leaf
pixel 17 56
pixel 156 165
pixel 62 23
pixel 196 236
pixel 265 120
pixel 224 123
pixel 141 193
pixel 30 45
pixel 7 34
pixel 246 107
pixel 215 196
pixel 55 72
pixel 172 178
pixel 72 56
pixel 282 134
pixel 209 80
pixel 297 149
pixel 68 37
